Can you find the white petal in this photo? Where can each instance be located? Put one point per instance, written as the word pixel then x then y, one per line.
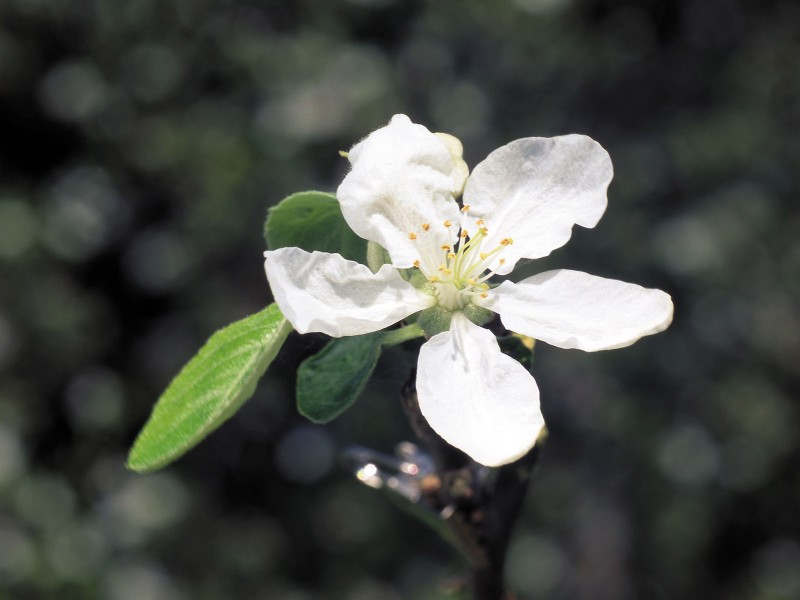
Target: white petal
pixel 325 293
pixel 571 309
pixel 457 153
pixel 534 190
pixel 403 177
pixel 477 398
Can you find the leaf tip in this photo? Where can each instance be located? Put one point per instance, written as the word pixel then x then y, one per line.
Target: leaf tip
pixel 140 464
pixel 136 466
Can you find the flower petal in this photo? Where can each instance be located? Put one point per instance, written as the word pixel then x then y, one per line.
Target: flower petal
pixel 571 309
pixel 403 177
pixel 477 398
pixel 325 293
pixel 534 190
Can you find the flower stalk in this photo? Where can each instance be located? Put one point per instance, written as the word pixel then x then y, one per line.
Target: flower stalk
pixel 393 337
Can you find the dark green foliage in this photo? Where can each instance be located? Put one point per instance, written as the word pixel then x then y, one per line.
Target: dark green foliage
pixel 312 221
pixel 328 383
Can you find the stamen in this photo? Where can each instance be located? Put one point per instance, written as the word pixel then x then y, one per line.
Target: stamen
pixel 468 263
pixel 412 236
pixel 488 275
pixel 466 208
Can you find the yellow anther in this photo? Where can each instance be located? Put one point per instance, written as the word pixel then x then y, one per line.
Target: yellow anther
pixel 445 271
pixel 451 255
pixel 433 279
pixel 464 233
pixel 343 154
pixel 484 231
pixel 506 242
pixel 412 236
pixel 484 256
pixel 447 224
pixel 502 261
pixel 466 208
pixel 446 247
pixel 480 222
pixel 416 263
pixel 484 295
pixel 426 226
pixel 471 281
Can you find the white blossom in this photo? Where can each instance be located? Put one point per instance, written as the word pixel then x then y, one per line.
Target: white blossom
pixel 522 201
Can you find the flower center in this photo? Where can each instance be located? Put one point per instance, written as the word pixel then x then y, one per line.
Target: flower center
pixel 459 273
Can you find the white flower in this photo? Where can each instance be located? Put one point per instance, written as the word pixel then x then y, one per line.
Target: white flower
pixel 521 202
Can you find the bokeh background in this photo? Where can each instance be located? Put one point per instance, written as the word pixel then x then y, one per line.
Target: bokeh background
pixel 141 144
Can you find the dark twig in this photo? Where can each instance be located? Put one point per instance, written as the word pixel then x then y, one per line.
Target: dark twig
pixel 481 505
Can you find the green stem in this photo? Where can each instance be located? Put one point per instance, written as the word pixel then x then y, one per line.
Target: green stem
pixel 398 336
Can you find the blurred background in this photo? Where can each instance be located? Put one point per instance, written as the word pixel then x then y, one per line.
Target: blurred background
pixel 141 144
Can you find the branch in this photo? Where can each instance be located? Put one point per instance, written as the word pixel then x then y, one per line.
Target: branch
pixel 481 505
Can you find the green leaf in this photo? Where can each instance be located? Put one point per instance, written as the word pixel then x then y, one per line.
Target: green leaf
pixel 312 221
pixel 329 383
pixel 210 388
